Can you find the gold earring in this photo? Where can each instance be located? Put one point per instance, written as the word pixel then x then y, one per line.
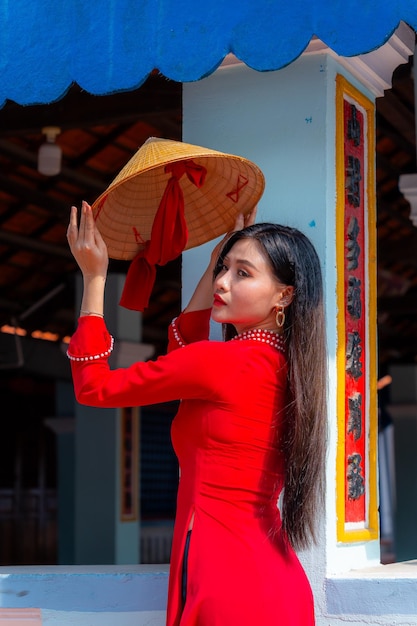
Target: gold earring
pixel 280 317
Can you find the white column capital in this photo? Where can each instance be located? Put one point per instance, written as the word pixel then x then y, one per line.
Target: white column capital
pixel 407 184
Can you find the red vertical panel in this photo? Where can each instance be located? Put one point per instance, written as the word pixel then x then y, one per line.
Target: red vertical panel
pixel 355 314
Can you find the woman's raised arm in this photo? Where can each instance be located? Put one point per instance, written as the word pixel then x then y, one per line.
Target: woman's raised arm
pixel 90 252
pixel 202 297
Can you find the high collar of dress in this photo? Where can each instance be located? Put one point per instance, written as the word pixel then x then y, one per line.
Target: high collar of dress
pixel 264 336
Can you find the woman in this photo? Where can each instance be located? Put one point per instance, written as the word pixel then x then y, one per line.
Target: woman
pixel 250 432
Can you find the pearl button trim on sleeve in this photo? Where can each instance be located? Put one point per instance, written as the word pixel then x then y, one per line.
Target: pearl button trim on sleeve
pixel 93 357
pixel 176 334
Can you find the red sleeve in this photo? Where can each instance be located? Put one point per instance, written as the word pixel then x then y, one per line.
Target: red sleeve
pixel 188 328
pixel 90 340
pixel 171 377
pixel 201 370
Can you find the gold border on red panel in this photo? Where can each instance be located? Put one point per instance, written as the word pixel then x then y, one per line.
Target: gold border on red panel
pixel 367 528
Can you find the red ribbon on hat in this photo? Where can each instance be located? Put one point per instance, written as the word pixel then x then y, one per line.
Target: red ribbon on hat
pixel 169 236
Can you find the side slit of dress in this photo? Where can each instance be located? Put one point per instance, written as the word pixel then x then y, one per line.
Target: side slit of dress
pixel 185 568
pixel 184 571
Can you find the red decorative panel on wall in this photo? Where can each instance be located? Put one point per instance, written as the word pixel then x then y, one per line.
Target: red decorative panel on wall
pixel 356 280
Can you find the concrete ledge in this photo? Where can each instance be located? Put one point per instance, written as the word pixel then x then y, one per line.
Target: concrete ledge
pixel 379 591
pixel 140 588
pixel 92 595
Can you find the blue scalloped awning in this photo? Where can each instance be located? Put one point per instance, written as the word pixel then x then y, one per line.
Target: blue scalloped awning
pixel 112 45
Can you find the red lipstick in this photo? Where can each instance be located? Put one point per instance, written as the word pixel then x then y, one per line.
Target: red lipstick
pixel 218 301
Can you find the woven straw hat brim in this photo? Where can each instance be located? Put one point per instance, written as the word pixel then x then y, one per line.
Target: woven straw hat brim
pixel 125 212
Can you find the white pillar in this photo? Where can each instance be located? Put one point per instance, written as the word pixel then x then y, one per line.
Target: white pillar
pixel 291 123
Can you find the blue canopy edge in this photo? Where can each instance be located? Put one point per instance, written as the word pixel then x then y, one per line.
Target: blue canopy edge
pixel 106 46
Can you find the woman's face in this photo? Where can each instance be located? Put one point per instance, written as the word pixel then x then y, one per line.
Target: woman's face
pixel 246 292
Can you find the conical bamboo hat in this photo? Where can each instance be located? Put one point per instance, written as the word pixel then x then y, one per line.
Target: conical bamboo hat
pixel 125 212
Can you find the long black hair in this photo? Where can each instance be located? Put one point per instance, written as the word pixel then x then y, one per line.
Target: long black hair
pixel 294 261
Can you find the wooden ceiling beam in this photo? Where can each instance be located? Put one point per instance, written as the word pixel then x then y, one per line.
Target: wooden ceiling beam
pixel 397 115
pixel 403 251
pixel 156 98
pixel 21 155
pixel 391 207
pixel 35 245
pixel 399 306
pixel 27 195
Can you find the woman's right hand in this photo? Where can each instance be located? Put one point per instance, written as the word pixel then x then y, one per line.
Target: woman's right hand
pixel 241 222
pixel 86 243
pixel 202 297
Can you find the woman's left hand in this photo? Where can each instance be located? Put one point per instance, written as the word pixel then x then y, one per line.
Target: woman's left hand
pixel 86 243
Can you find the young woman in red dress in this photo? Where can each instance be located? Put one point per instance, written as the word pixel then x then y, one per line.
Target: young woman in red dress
pixel 250 434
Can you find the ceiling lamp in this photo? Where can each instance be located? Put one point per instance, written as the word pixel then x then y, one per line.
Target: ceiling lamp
pixel 50 154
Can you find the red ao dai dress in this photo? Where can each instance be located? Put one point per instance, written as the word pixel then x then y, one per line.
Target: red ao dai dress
pixel 240 569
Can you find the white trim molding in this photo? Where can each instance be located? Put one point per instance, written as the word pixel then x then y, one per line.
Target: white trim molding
pixel 373 69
